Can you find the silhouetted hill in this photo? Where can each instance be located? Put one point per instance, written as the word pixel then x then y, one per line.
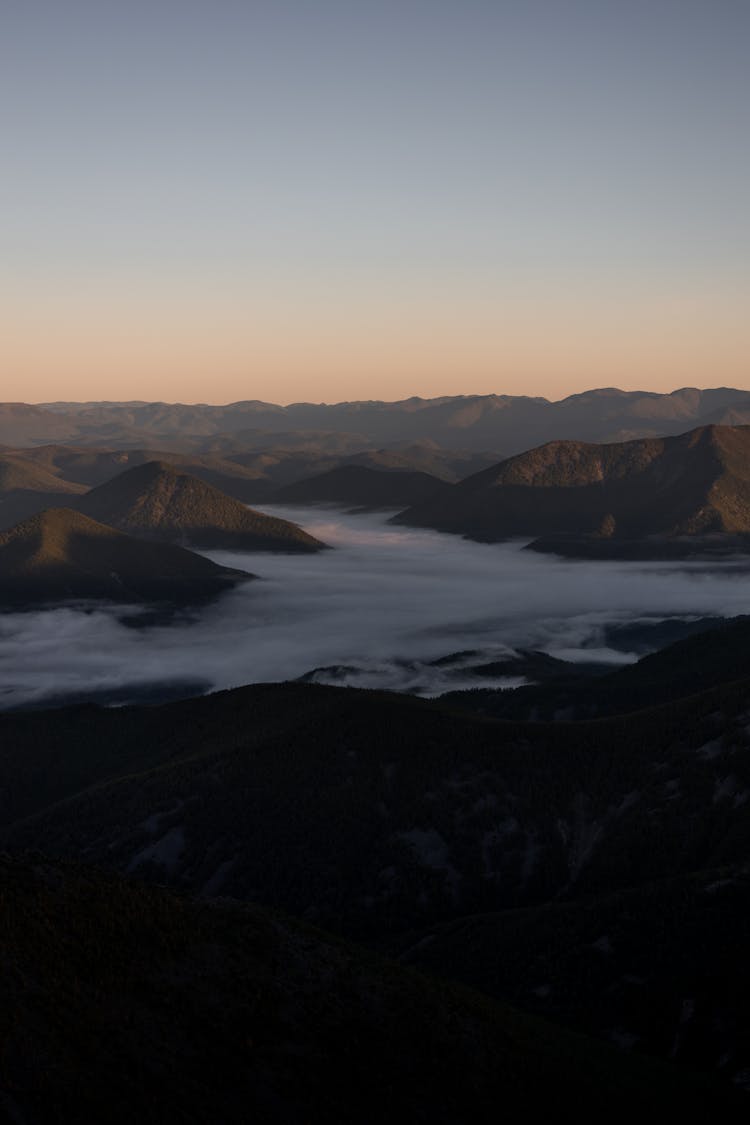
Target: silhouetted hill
pixel 372 812
pixel 154 501
pixel 364 487
pixel 712 656
pixel 26 489
pixel 641 492
pixel 661 966
pixel 60 554
pixel 388 818
pixel 123 1003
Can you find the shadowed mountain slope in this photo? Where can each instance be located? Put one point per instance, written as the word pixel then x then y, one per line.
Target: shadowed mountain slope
pixel 696 484
pixel 155 501
pixel 373 813
pixel 274 468
pixel 425 456
pixel 388 818
pixel 18 474
pixel 712 656
pixel 91 467
pixel 122 1003
pixel 363 486
pixel 661 966
pixel 61 554
pixel 27 488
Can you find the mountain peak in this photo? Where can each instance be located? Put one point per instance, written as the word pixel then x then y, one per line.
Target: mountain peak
pixel 60 553
pixel 156 501
pixel 693 484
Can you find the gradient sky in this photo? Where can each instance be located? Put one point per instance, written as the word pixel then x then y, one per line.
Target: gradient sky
pixel 323 200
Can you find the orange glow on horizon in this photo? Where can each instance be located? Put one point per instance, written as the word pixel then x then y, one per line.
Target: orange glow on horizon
pixel 76 351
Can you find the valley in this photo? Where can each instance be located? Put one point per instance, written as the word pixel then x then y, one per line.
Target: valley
pixel 308 773
pixel 387 607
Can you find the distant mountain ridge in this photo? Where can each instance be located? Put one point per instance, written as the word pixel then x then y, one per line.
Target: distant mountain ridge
pixel 506 423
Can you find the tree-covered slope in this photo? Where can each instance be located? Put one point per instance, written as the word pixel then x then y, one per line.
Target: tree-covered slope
pixel 155 501
pixel 696 484
pixel 374 813
pixel 364 487
pixel 61 555
pixel 26 488
pixel 392 820
pixel 661 967
pixel 122 1003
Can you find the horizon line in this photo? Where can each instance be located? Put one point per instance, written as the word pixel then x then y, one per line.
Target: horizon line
pixel 367 401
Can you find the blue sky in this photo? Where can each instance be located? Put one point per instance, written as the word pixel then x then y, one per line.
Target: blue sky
pixel 323 200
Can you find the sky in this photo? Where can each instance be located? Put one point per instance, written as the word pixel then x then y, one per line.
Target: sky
pixel 323 200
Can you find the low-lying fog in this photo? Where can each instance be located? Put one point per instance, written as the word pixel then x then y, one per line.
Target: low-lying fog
pixel 382 606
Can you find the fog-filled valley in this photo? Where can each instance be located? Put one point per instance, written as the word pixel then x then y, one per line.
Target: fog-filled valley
pixel 387 607
pixel 541 793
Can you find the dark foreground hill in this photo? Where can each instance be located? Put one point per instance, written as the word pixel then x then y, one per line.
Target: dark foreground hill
pixel 633 499
pixel 363 487
pixel 154 501
pixel 659 967
pixel 709 657
pixel 388 819
pixel 123 1003
pixel 60 554
pixel 374 813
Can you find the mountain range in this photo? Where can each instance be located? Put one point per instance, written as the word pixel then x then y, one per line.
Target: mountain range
pixel 667 497
pixel 99 543
pixel 251 477
pixel 504 424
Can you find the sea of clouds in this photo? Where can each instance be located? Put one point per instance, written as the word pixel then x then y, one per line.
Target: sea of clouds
pixel 379 608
